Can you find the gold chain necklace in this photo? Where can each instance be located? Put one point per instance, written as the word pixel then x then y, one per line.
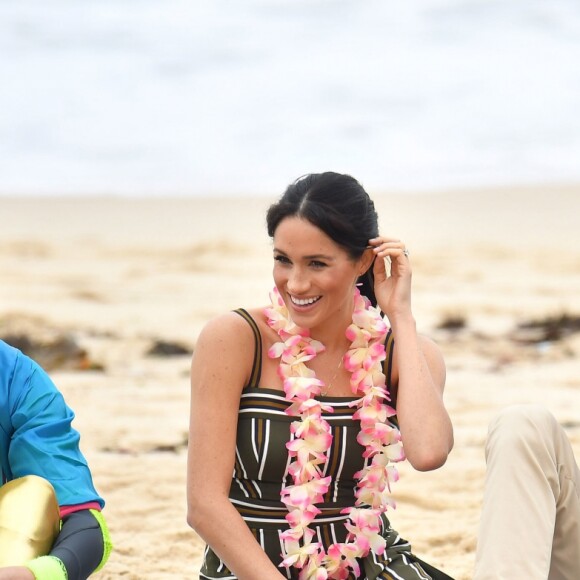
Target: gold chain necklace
pixel 329 386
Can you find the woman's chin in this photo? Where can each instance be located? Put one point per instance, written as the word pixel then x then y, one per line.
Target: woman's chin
pixel 304 319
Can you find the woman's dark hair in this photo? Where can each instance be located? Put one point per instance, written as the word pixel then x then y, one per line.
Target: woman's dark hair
pixel 338 205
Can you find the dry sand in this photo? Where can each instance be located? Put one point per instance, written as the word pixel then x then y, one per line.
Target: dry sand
pixel 119 274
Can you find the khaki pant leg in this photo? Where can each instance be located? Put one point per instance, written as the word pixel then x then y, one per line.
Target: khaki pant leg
pixel 29 519
pixel 530 522
pixel 565 563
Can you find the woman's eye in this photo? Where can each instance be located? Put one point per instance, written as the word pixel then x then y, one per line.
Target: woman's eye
pixel 318 264
pixel 281 259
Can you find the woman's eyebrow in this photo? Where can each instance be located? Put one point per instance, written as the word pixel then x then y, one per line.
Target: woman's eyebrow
pixel 309 257
pixel 319 257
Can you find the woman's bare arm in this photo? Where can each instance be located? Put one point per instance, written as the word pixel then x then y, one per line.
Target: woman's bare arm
pixel 419 369
pixel 424 422
pixel 220 368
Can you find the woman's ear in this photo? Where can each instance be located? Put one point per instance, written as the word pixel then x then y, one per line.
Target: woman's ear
pixel 366 260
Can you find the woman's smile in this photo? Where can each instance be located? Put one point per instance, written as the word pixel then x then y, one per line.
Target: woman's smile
pixel 304 301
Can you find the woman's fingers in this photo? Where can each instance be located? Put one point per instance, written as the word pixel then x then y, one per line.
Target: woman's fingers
pixel 388 247
pixel 380 270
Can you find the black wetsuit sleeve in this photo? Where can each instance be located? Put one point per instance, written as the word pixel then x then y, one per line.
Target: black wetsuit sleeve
pixel 79 545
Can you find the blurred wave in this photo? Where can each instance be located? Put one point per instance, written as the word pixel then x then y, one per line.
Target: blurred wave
pixel 215 96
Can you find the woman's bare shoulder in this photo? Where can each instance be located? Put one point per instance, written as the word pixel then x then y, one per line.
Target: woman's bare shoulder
pixel 225 329
pixel 430 348
pixel 435 360
pixel 232 334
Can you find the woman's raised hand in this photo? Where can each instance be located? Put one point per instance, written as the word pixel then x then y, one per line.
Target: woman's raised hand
pixel 392 289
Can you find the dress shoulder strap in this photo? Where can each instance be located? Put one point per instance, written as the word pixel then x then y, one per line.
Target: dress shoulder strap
pixel 257 364
pixel 388 367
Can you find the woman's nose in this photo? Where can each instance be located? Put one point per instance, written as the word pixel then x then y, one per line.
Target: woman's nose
pixel 298 282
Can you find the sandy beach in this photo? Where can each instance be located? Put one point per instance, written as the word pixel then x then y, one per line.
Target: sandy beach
pixel 496 284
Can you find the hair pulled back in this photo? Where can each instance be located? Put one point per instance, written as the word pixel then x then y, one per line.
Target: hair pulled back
pixel 338 205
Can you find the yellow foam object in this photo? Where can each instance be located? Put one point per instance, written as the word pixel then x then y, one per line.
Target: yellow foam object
pixel 29 519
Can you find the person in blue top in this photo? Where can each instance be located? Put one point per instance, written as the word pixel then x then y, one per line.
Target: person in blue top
pixel 51 525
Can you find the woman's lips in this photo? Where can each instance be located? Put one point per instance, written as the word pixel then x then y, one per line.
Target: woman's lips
pixel 304 302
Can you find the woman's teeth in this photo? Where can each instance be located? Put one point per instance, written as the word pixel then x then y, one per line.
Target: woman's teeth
pixel 304 302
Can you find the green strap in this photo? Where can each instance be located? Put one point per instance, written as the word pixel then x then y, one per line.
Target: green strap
pixel 388 367
pixel 254 381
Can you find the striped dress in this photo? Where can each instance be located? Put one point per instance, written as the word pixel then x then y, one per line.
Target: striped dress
pixel 260 472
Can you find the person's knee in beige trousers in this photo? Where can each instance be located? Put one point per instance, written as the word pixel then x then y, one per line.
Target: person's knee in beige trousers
pixel 530 523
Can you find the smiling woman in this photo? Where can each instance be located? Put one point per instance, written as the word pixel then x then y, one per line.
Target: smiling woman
pixel 315 276
pixel 339 207
pixel 312 431
pixel 293 453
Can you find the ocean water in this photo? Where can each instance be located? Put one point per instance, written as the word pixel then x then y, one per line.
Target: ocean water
pixel 143 97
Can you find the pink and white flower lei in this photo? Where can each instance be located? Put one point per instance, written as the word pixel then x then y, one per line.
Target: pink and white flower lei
pixel 311 439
